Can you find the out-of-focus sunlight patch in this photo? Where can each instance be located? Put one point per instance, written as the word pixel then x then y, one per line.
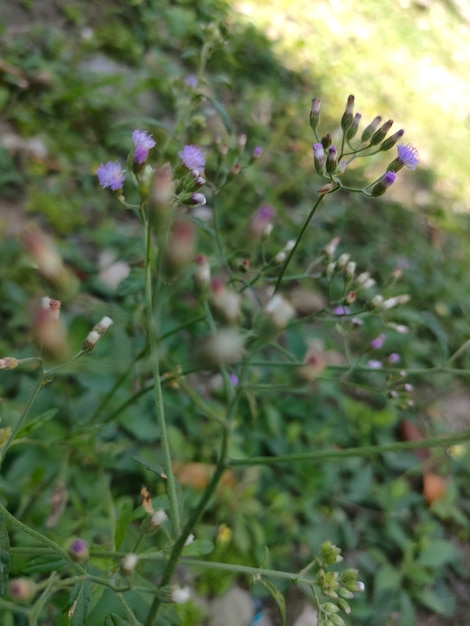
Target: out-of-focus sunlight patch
pixel 402 59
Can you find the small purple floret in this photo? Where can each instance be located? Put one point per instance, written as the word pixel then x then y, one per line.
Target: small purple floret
pixel 192 158
pixel 143 142
pixel 394 358
pixel 111 175
pixel 388 178
pixel 378 342
pixel 408 155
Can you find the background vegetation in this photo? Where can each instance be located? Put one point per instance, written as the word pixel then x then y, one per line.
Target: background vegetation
pixel 75 81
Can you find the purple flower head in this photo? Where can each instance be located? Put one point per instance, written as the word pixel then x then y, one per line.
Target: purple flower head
pixel 143 142
pixel 191 80
pixel 79 550
pixel 341 310
pixel 378 342
pixel 408 155
pixel 234 379
pixel 192 157
pixel 257 152
pixel 394 358
pixel 111 175
pixel 375 365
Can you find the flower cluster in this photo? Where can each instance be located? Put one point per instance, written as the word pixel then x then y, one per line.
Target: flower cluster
pixel 331 161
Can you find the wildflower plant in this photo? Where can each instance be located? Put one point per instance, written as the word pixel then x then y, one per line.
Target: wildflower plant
pixel 242 299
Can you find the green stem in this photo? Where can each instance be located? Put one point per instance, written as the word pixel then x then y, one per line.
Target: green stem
pixel 297 241
pixel 158 393
pixel 190 524
pixel 24 415
pixel 363 451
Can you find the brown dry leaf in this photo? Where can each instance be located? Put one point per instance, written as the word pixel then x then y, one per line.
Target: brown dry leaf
pixel 146 500
pixel 434 487
pixel 197 475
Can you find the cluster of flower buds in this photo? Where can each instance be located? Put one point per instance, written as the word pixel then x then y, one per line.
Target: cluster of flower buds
pixel 330 162
pixel 96 333
pixel 260 224
pixel 400 391
pixel 338 586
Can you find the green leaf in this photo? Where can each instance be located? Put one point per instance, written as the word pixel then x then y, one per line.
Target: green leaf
pixel 114 620
pixel 79 603
pixel 277 596
pixel 387 577
pixel 4 556
pixel 441 603
pixel 437 554
pixel 219 107
pixel 37 422
pixel 159 470
pixel 124 518
pixel 200 547
pixel 433 325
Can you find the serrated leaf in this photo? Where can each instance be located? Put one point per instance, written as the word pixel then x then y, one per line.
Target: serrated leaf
pixel 277 596
pixel 78 610
pixel 219 107
pixel 4 556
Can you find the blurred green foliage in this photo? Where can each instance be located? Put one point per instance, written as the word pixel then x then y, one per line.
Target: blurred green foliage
pixel 79 86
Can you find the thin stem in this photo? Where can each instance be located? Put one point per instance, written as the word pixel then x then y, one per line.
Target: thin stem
pixel 24 415
pixel 297 241
pixel 363 451
pixel 190 524
pixel 158 393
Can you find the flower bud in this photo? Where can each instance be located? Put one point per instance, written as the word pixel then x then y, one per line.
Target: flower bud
pixel 79 550
pixel 280 311
pixel 256 154
pixel 347 119
pixel 226 346
pixel 370 130
pixel 381 187
pixel 22 589
pixel 331 246
pixel 202 273
pixel 8 363
pixel 319 158
pixel 352 130
pixel 331 159
pixel 158 518
pixel 315 113
pixel 161 195
pixel 180 247
pixel 326 141
pixel 128 564
pixel 391 141
pixel 180 595
pixel 380 134
pixel 225 302
pixel 324 189
pixel 261 220
pixel 343 260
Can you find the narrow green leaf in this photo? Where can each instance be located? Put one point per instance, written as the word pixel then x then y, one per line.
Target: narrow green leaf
pixel 434 326
pixel 114 620
pixel 277 596
pixel 80 603
pixel 219 107
pixel 4 556
pixel 159 470
pixel 38 421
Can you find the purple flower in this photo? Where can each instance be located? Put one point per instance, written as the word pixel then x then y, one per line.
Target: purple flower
pixel 191 80
pixel 143 142
pixel 257 152
pixel 192 157
pixel 234 379
pixel 394 358
pixel 373 364
pixel 408 155
pixel 378 342
pixel 111 175
pixel 79 550
pixel 341 310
